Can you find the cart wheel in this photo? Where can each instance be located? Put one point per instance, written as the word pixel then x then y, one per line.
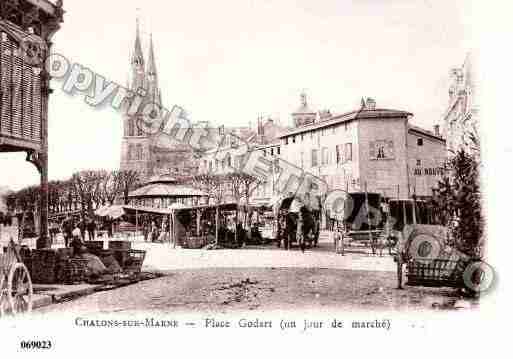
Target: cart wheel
pixel 4 302
pixel 19 289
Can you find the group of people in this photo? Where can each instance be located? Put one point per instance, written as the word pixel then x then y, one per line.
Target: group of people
pixel 154 232
pixel 5 219
pixel 72 230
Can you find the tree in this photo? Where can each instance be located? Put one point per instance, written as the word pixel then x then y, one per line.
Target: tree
pixel 212 184
pixel 242 186
pixel 87 185
pixel 125 181
pixel 458 201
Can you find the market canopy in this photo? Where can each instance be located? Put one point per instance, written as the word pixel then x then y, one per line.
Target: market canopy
pixel 114 211
pixel 117 211
pixel 166 190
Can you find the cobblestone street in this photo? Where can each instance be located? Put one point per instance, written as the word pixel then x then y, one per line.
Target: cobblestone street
pixel 260 279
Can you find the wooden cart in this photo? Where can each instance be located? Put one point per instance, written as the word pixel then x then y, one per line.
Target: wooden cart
pixel 15 283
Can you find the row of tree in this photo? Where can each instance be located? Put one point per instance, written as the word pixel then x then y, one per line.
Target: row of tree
pixel 85 191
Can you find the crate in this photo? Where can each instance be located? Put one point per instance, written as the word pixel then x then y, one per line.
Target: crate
pixel 75 271
pixel 436 273
pixel 193 242
pixel 120 245
pixel 94 247
pixel 64 253
pixel 121 256
pixel 135 261
pixel 44 262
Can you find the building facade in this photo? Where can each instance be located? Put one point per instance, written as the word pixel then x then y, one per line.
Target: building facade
pixel 371 149
pixel 231 153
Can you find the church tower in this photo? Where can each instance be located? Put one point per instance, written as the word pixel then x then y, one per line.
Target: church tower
pixel 303 116
pixel 136 144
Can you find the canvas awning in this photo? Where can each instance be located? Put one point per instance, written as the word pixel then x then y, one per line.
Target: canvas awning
pixel 166 190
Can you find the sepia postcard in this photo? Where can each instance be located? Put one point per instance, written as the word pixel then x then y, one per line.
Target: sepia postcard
pixel 254 178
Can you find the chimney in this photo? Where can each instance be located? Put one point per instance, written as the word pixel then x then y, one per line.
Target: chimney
pixel 370 104
pixel 437 130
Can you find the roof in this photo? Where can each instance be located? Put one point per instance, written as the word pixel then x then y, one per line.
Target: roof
pixel 349 116
pixel 166 190
pixel 425 132
pixel 162 179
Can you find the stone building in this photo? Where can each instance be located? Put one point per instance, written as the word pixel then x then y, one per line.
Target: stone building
pixel 370 148
pixel 461 117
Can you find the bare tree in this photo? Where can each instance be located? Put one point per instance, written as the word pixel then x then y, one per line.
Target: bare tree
pixel 126 181
pixel 87 186
pixel 212 184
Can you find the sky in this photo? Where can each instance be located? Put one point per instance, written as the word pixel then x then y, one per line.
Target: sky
pixel 228 62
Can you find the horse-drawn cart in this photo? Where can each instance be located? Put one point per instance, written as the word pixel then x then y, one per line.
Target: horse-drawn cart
pixel 15 283
pixel 297 222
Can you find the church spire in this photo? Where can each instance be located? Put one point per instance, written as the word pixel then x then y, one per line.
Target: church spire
pixel 137 55
pixel 153 84
pixel 137 62
pixel 152 67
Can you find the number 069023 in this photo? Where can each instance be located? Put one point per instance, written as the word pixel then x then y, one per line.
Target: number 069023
pixel 36 344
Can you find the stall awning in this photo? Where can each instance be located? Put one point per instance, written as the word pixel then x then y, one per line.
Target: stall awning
pixel 117 211
pixel 166 190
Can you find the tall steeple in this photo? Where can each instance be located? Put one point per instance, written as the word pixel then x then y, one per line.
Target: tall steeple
pixel 137 61
pixel 151 72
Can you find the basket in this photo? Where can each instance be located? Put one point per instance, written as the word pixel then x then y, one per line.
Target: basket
pixel 135 261
pixel 120 245
pixel 436 273
pixel 75 271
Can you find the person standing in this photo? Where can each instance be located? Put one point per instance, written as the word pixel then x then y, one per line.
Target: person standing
pixel 154 231
pixel 67 230
pixel 81 225
pixel 91 228
pixel 146 228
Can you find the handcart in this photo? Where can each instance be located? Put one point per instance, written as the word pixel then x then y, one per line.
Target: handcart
pixel 16 289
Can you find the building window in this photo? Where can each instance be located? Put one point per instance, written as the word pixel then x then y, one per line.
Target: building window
pixel 338 151
pixel 286 140
pixel 315 160
pixel 420 142
pixel 278 149
pixel 293 139
pixel 325 156
pixel 345 126
pixel 138 152
pixel 229 160
pixel 265 152
pixel 130 151
pixel 272 151
pixel 418 162
pixel 131 126
pixel 210 165
pixel 348 153
pixel 138 127
pixel 302 137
